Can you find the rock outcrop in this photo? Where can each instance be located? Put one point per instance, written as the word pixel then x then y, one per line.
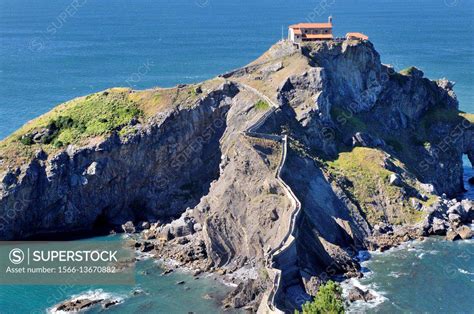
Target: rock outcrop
pixel 81 304
pixel 357 294
pixel 368 153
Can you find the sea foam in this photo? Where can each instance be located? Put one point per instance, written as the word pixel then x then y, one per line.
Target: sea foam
pixel 97 294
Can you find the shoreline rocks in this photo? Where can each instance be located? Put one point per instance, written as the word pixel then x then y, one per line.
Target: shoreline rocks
pixel 85 303
pixel 460 233
pixel 357 294
pixel 449 218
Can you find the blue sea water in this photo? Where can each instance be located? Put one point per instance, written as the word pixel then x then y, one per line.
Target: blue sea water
pixel 152 293
pixel 433 276
pixel 55 50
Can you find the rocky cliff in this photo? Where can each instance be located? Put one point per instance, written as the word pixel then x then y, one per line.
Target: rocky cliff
pixel 274 174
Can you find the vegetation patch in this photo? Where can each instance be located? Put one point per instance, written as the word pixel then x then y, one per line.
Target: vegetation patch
pixel 408 71
pixel 327 301
pixel 262 105
pixel 74 122
pixel 440 114
pixel 370 186
pixel 95 115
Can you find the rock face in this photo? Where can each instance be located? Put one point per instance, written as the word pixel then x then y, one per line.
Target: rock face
pixel 365 151
pixel 66 192
pixel 247 295
pixel 450 218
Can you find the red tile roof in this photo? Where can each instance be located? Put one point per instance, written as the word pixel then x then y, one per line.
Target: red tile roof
pixel 311 25
pixel 357 35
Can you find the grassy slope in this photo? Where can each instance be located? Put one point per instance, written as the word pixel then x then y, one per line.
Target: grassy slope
pixel 364 168
pixel 89 119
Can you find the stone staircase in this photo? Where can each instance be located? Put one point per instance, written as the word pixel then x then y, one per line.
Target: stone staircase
pixel 287 292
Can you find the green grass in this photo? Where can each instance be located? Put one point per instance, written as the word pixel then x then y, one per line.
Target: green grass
pixel 442 115
pixel 262 105
pixel 90 119
pixel 74 122
pixel 408 71
pixel 94 115
pixel 364 167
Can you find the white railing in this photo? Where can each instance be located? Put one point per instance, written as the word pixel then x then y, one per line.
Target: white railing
pixel 288 239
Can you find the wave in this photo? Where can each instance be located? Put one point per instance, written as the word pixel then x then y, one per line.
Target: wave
pixel 463 271
pixel 409 246
pixel 361 306
pixel 142 256
pixel 97 294
pixel 396 274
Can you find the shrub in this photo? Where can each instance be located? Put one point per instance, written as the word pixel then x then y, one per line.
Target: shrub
pixel 62 122
pixel 262 105
pixel 26 140
pixel 327 301
pixel 408 71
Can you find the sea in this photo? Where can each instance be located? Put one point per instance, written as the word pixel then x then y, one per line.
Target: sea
pixel 152 292
pixel 55 50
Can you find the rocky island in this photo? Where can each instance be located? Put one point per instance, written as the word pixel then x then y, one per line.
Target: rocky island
pixel 273 175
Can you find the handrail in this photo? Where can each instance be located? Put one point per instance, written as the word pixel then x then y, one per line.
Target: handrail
pixel 288 239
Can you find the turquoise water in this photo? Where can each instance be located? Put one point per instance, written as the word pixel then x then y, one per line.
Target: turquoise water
pixel 159 294
pixel 51 52
pixel 433 276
